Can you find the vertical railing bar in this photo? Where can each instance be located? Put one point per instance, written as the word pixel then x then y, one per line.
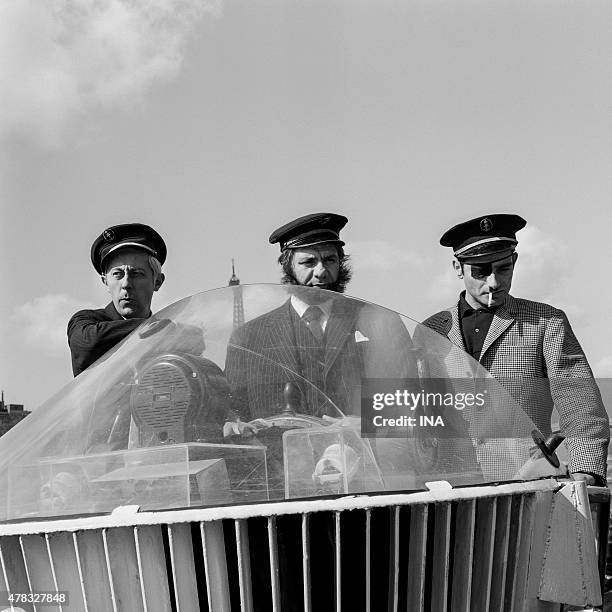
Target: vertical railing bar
pixel 52 564
pixel 239 556
pixel 27 569
pixel 368 558
pixel 171 545
pixel 184 578
pixel 484 545
pixel 274 574
pixel 173 567
pixel 520 577
pixel 515 563
pixel 306 563
pixel 75 541
pixel 108 569
pixel 463 555
pixel 417 550
pixel 441 557
pixel 215 566
pixel 244 565
pixel 396 518
pixel 182 563
pixel 4 572
pixel 338 561
pixel 140 569
pixel 500 552
pixel 206 568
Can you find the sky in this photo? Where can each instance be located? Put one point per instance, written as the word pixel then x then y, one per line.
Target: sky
pixel 218 121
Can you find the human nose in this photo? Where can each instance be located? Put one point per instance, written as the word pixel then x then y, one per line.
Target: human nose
pixel 493 281
pixel 320 270
pixel 126 281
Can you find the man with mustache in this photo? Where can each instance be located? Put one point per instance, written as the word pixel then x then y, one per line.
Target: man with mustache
pixel 529 347
pixel 323 344
pixel 129 260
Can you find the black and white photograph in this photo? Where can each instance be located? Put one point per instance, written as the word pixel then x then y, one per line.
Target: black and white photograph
pixel 304 305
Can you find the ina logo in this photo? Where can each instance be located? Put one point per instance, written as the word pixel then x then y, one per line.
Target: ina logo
pixel 108 235
pixel 486 225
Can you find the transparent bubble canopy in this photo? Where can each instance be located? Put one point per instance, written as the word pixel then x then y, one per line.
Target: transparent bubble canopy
pixel 254 393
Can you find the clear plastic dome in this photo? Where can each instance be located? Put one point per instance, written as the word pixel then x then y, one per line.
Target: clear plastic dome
pixel 198 408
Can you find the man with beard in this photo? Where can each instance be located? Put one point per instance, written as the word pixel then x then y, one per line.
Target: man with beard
pixel 322 344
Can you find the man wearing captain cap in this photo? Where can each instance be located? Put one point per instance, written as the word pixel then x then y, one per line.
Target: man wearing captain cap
pixel 128 259
pixel 322 339
pixel 529 347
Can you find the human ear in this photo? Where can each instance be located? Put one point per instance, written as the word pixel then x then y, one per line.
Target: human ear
pixel 458 268
pixel 159 281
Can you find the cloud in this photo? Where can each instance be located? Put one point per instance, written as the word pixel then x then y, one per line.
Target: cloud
pixel 444 288
pixel 603 367
pixel 382 255
pixel 542 265
pixel 61 60
pixel 41 323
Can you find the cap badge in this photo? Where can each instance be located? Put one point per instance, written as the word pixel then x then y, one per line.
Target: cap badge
pixel 486 225
pixel 109 235
pixel 325 220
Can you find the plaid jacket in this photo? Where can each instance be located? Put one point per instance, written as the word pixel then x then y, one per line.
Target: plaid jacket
pixel 532 351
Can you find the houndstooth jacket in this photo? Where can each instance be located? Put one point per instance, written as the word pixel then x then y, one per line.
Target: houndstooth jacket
pixel 532 351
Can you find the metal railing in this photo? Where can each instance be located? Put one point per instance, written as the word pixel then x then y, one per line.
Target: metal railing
pixel 477 548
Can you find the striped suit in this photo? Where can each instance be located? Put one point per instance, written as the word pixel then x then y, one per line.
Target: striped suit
pixel 277 347
pixel 532 351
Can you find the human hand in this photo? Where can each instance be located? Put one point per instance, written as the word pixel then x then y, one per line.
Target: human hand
pixel 589 479
pixel 352 421
pixel 539 467
pixel 240 428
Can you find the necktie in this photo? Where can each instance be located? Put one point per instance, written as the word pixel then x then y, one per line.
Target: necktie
pixel 312 316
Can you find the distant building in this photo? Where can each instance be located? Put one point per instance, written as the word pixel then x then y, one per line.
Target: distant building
pixel 10 414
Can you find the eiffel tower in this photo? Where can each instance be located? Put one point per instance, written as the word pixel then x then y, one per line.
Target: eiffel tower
pixel 234 282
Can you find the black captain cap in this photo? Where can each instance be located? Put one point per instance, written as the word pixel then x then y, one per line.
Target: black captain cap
pixel 309 230
pixel 128 235
pixel 484 239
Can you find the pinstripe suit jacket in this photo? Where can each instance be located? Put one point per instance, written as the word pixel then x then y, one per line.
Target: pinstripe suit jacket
pixel 532 351
pixel 277 347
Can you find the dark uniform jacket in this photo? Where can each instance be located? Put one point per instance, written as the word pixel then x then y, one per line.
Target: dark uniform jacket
pixel 91 333
pixel 532 351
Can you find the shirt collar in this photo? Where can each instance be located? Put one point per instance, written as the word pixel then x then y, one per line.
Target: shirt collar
pixel 300 308
pixel 465 309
